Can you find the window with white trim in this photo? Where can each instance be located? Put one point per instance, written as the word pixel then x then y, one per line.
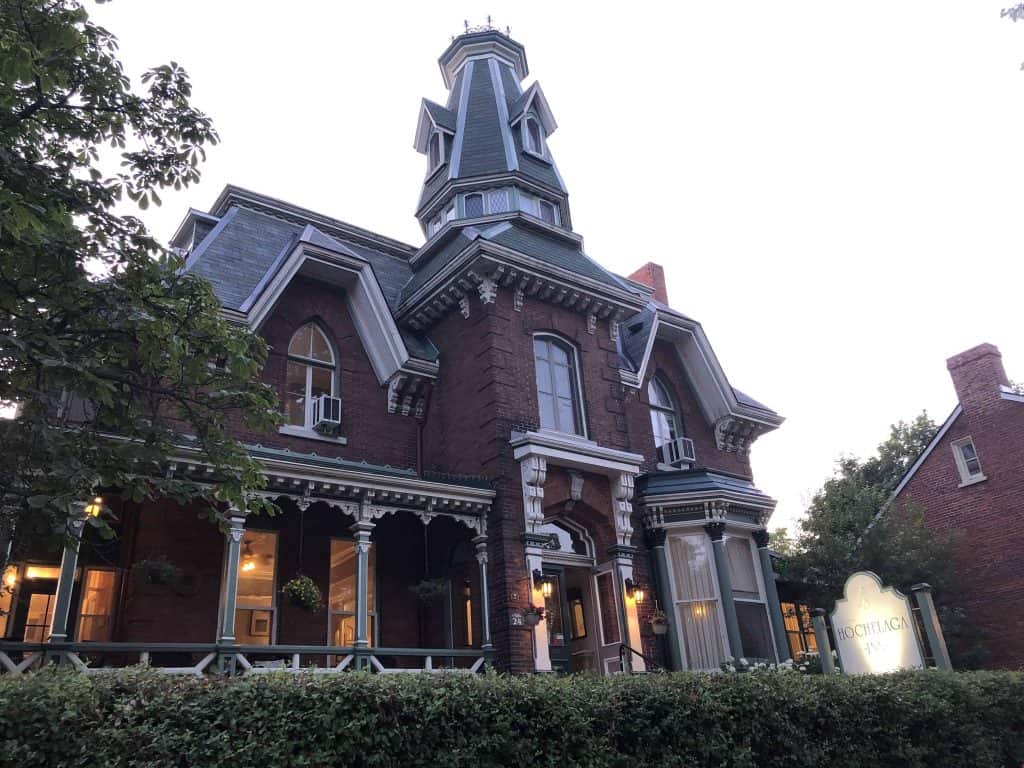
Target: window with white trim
pixel 696 600
pixel 435 150
pixel 665 422
pixel 533 135
pixel 312 371
pixel 474 205
pixel 558 385
pixel 542 209
pixel 967 461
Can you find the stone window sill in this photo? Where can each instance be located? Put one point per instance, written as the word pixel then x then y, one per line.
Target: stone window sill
pixel 309 434
pixel 973 481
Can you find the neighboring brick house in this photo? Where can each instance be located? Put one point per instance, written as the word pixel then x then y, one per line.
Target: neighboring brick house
pixel 969 481
pixel 476 425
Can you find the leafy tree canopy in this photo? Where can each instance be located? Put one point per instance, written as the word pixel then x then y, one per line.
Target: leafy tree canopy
pixel 101 332
pixel 842 533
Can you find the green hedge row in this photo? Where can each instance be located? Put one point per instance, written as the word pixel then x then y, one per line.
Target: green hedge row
pixel 762 719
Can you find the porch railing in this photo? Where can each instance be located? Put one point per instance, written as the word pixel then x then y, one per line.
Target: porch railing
pixel 202 658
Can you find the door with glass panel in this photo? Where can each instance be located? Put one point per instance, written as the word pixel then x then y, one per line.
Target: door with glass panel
pixel 100 590
pixel 696 600
pixel 341 598
pixel 257 588
pixel 37 595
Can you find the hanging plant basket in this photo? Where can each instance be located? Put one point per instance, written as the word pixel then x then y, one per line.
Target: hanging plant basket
pixel 302 592
pixel 532 616
pixel 159 572
pixel 430 590
pixel 659 623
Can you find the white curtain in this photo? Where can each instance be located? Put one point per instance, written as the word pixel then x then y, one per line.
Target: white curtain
pixel 741 567
pixel 697 600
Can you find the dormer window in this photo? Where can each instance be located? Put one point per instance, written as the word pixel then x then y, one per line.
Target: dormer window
pixel 673 448
pixel 967 462
pixel 533 136
pixel 435 150
pixel 311 373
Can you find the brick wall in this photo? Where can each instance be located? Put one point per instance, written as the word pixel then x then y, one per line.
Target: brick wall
pixel 986 516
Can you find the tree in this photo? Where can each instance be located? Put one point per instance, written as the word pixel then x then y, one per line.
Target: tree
pixel 114 356
pixel 843 532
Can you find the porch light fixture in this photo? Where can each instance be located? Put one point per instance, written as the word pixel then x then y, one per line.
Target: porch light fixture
pixel 93 508
pixel 543 582
pixel 248 558
pixel 634 590
pixel 11 577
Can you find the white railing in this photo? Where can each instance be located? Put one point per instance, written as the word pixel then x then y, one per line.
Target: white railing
pixel 96 658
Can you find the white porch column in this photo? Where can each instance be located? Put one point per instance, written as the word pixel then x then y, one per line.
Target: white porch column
pixel 362 530
pixel 534 470
pixel 622 512
pixel 66 580
pixel 233 537
pixel 485 609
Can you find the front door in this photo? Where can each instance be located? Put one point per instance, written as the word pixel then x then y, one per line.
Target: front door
pixel 568 612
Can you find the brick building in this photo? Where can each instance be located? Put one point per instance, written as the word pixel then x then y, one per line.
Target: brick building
pixel 481 425
pixel 968 481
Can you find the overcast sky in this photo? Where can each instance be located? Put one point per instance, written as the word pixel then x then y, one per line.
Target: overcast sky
pixel 834 189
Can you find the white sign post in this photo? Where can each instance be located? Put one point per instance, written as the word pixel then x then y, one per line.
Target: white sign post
pixel 874 628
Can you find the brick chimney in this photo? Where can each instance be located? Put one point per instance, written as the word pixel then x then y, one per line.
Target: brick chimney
pixel 652 275
pixel 977 374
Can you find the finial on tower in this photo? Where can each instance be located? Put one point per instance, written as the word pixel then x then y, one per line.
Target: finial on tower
pixel 484 38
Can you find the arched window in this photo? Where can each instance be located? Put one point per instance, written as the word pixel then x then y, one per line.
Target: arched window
pixel 664 417
pixel 435 149
pixel 311 372
pixel 533 135
pixel 558 385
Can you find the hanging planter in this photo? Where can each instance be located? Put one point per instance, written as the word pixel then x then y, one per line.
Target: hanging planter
pixel 429 590
pixel 302 592
pixel 659 622
pixel 158 572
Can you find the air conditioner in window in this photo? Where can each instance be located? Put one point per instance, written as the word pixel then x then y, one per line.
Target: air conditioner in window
pixel 677 452
pixel 326 414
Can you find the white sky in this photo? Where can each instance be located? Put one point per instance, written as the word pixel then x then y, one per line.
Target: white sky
pixel 834 189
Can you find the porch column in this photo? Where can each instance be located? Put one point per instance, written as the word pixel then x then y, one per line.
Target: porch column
pixel 534 472
pixel 66 580
pixel 716 531
pixel 622 552
pixel 656 543
pixel 233 538
pixel 361 530
pixel 774 607
pixel 485 609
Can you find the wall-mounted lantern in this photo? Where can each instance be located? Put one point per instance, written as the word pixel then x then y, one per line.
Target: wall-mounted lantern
pixel 94 507
pixel 635 591
pixel 543 582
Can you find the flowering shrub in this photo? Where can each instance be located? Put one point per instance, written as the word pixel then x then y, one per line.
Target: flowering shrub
pixel 303 592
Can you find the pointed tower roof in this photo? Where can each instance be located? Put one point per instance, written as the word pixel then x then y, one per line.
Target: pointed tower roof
pixel 490 130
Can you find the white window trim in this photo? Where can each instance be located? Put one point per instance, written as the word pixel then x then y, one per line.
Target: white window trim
pixel 543 154
pixel 966 478
pixel 306 428
pixel 762 599
pixel 579 399
pixel 81 597
pixel 442 152
pixel 308 433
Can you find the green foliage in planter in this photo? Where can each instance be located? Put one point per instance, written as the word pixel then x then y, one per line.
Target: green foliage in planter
pixel 303 592
pixel 355 719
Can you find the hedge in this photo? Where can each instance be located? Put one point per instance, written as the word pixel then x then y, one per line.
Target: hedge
pixel 139 718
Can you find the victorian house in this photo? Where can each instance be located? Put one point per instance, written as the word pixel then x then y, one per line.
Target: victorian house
pixel 494 448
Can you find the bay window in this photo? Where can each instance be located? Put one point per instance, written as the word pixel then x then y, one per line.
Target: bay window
pixel 751 610
pixel 697 604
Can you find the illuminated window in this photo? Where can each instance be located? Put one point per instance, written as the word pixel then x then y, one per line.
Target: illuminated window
pixel 311 372
pixel 799 632
pixel 99 599
pixel 577 614
pixel 467 612
pixel 341 600
pixel 39 618
pixel 696 600
pixel 7 587
pixel 34 572
pixel 256 600
pixel 558 386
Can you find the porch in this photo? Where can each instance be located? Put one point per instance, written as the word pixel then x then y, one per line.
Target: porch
pixel 400 564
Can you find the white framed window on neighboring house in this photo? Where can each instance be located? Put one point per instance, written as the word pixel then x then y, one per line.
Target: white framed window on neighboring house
pixel 748 596
pixel 558 385
pixel 533 136
pixel 967 461
pixel 312 371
